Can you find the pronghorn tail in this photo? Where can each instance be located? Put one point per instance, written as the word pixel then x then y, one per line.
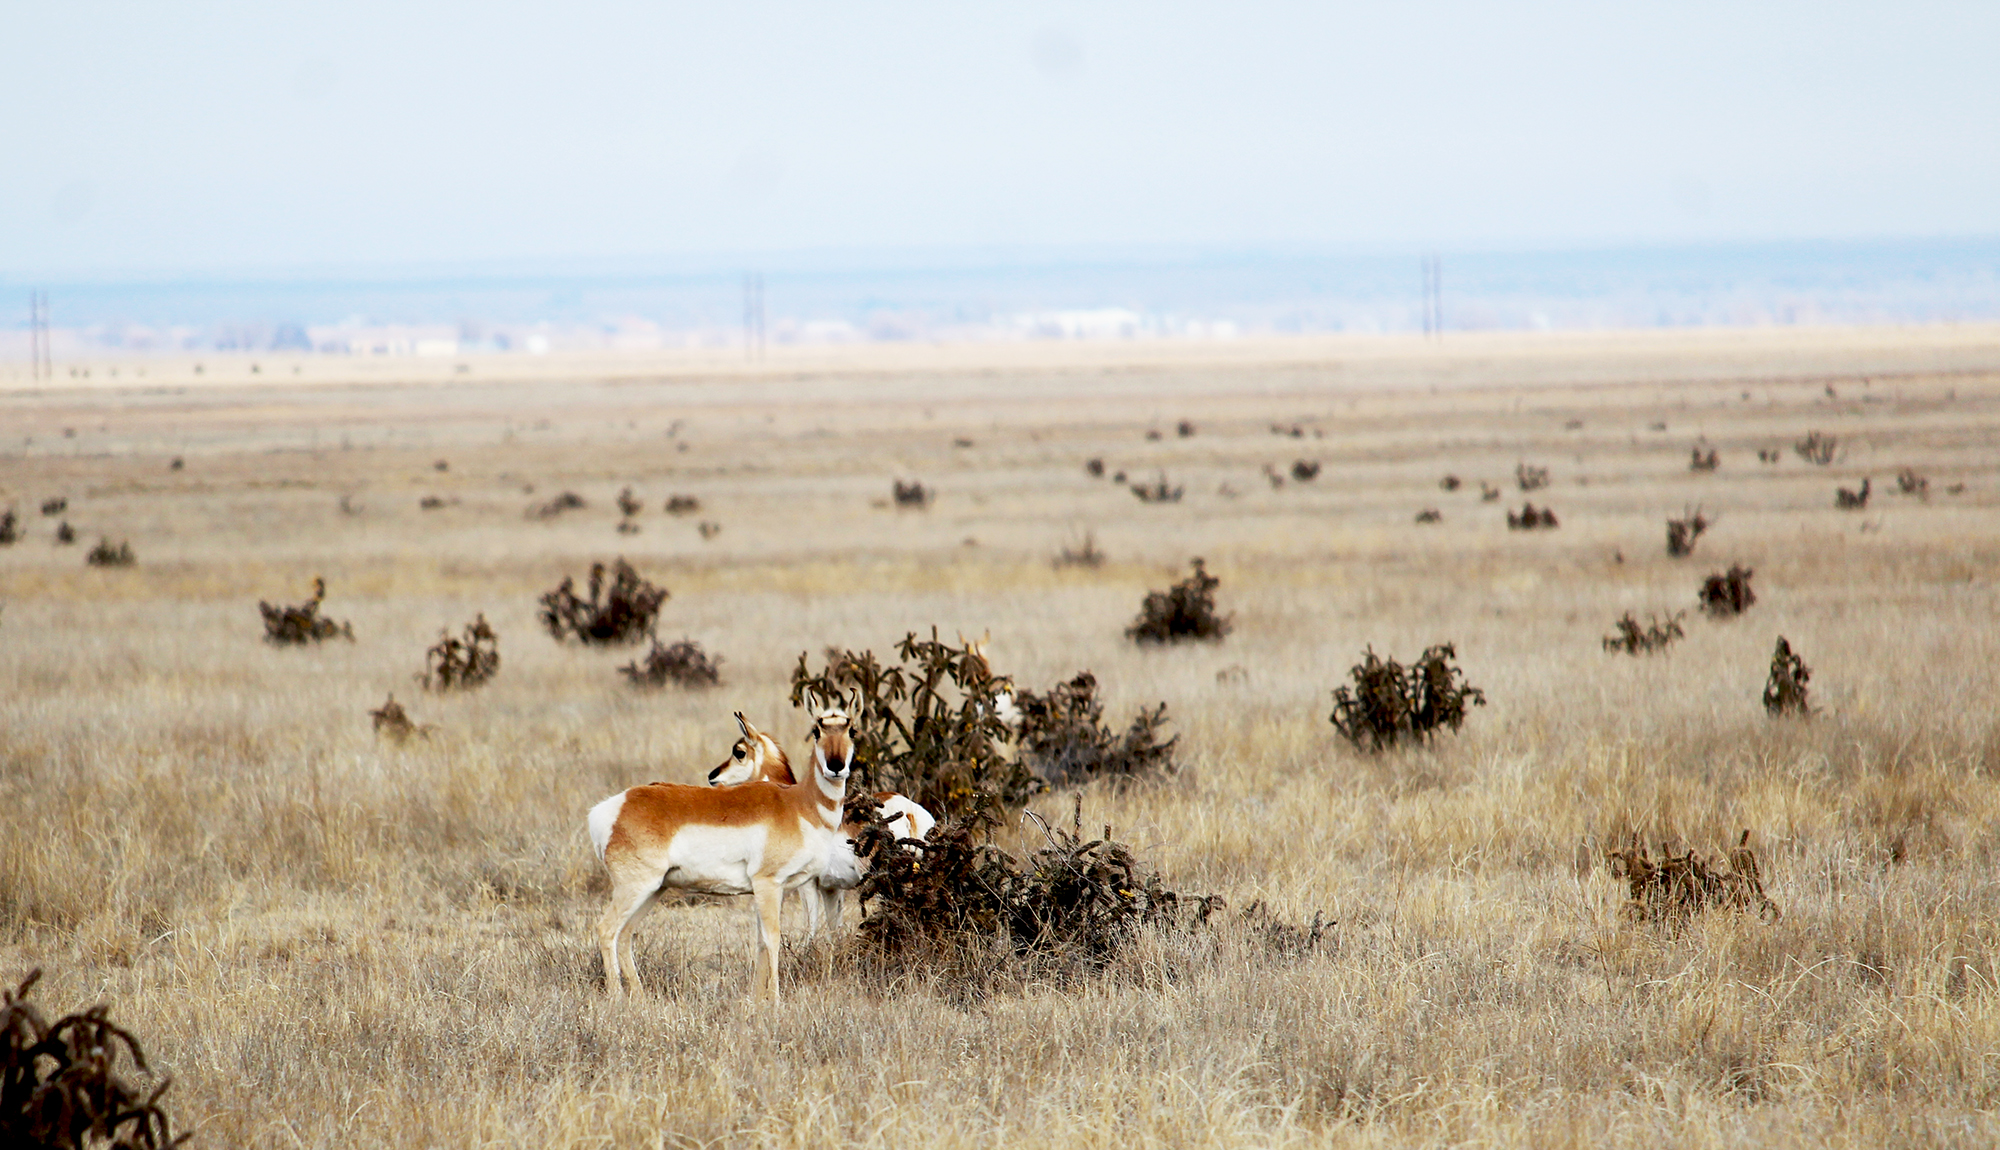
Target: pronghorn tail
pixel 602 816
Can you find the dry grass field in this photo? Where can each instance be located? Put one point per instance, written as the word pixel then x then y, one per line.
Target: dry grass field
pixel 329 940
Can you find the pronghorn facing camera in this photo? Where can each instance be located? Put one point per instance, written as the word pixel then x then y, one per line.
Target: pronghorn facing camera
pixel 757 756
pixel 1003 687
pixel 759 838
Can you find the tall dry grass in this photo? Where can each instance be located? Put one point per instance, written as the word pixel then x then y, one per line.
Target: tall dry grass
pixel 330 940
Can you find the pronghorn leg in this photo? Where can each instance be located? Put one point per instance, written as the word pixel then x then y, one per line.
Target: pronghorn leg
pixel 829 898
pixel 814 908
pixel 627 900
pixel 770 900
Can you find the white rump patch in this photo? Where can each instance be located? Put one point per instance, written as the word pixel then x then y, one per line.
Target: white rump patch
pixel 906 819
pixel 603 817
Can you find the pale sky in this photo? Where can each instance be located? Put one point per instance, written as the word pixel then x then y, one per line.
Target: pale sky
pixel 210 137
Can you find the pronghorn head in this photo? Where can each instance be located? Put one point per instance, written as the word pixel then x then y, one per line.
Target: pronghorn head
pixel 833 749
pixel 749 757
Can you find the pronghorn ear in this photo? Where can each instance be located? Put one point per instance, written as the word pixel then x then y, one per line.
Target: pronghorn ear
pixel 744 723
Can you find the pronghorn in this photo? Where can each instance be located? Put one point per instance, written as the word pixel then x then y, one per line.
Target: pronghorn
pixel 1003 694
pixel 758 757
pixel 760 839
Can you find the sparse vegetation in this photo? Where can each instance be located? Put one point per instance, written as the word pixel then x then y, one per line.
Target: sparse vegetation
pixel 1158 491
pixel 55 506
pixel 1682 533
pixel 291 626
pixel 927 726
pixel 1851 500
pixel 65 534
pixel 61 1085
pixel 1094 468
pixel 1449 483
pixel 622 612
pixel 1728 593
pixel 1912 483
pixel 682 505
pixel 1678 887
pixel 1785 691
pixel 462 662
pixel 567 501
pixel 105 555
pixel 1083 553
pixel 1305 470
pixel 1183 613
pixel 1704 461
pixel 1532 518
pixel 683 663
pixel 912 494
pixel 1530 478
pixel 391 720
pixel 1657 635
pixel 1769 455
pixel 1430 515
pixel 1388 702
pixel 1063 739
pixel 1185 429
pixel 10 530
pixel 708 529
pixel 1817 448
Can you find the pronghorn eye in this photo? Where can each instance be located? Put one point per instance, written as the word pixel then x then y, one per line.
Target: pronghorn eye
pixel 739 752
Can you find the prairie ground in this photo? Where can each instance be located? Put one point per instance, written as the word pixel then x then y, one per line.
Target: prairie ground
pixel 330 940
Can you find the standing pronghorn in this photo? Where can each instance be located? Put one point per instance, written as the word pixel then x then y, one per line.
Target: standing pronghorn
pixel 760 839
pixel 757 756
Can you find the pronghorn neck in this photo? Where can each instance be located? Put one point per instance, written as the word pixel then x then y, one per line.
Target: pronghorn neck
pixel 832 761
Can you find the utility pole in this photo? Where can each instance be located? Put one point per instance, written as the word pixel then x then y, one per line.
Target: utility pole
pixel 1434 295
pixel 753 315
pixel 41 361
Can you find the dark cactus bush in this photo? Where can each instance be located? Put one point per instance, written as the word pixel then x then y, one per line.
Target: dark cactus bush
pixel 1390 703
pixel 1183 613
pixel 683 664
pixel 621 612
pixel 1062 736
pixel 285 626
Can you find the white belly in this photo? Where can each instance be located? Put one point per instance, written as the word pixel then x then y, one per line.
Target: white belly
pixel 724 860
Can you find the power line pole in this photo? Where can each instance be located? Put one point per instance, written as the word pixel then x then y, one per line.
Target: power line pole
pixel 40 361
pixel 753 315
pixel 1434 295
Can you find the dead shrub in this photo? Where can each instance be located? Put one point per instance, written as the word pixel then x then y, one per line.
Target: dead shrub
pixel 683 664
pixel 460 663
pixel 1729 593
pixel 986 916
pixel 430 503
pixel 1530 478
pixel 1183 613
pixel 1785 691
pixel 912 494
pixel 55 506
pixel 1848 500
pixel 1449 483
pixel 1305 470
pixel 1701 461
pixel 1389 702
pixel 302 624
pixel 1532 518
pixel 1682 533
pixel 567 501
pixel 1488 493
pixel 1768 455
pixel 1430 515
pixel 682 505
pixel 1912 483
pixel 1657 635
pixel 10 530
pixel 1678 887
pixel 1063 739
pixel 708 529
pixel 65 534
pixel 1817 448
pixel 1158 491
pixel 1184 429
pixel 621 613
pixel 628 504
pixel 105 555
pixel 927 726
pixel 393 721
pixel 1084 553
pixel 1094 468
pixel 60 1086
